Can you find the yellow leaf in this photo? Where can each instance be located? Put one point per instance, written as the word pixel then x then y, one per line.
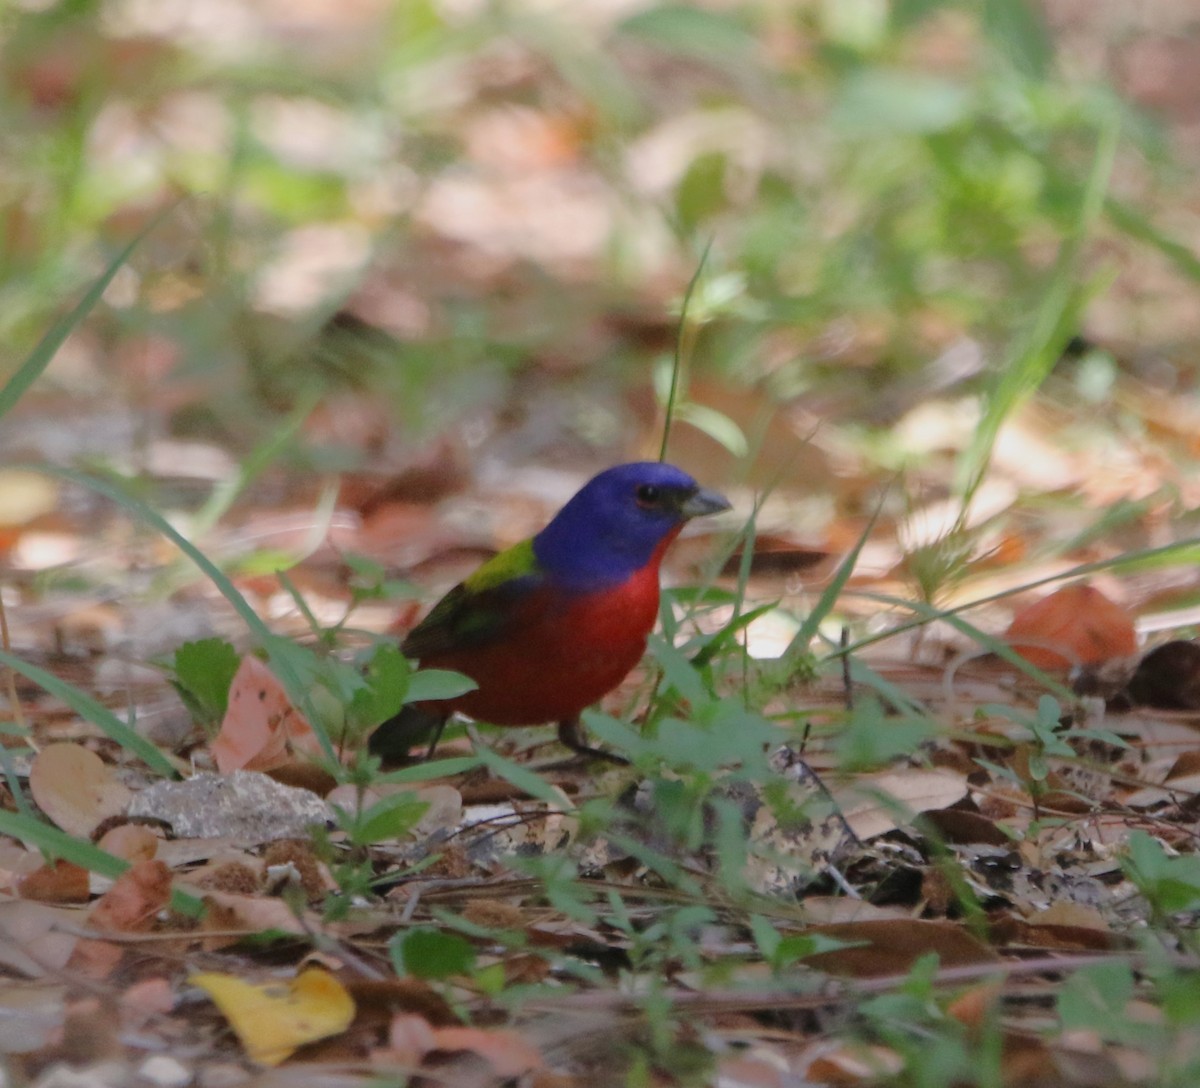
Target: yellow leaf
pixel 275 1018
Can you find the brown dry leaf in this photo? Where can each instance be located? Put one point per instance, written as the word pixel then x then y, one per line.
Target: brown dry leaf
pixel 874 804
pixel 381 1001
pixel 254 914
pixel 753 1071
pixel 841 908
pixel 144 1000
pixel 133 842
pixel 1066 913
pixel 972 1006
pixel 508 1053
pixel 261 727
pixel 1076 625
pixel 890 947
pixel 1184 774
pixel 136 896
pixel 273 1019
pixel 36 938
pixel 410 1038
pixel 95 959
pixel 76 788
pixel 56 882
pixel 840 1064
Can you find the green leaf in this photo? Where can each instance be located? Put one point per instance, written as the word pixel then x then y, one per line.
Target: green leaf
pixel 389 818
pixel 679 672
pixel 898 103
pixel 523 779
pixel 386 685
pixel 437 684
pixel 1018 31
pixel 431 953
pixel 438 768
pixel 701 191
pixel 204 671
pixel 717 425
pixel 682 28
pixel 1095 997
pixel 1172 884
pixel 872 738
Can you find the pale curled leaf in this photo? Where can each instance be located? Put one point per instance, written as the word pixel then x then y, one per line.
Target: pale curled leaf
pixel 76 788
pixel 874 804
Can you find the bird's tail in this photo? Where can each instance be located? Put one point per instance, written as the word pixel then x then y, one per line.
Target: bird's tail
pixel 415 724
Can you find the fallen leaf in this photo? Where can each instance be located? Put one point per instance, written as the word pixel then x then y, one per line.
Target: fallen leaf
pixel 134 900
pixel 36 938
pixel 874 804
pixel 261 729
pixel 133 842
pixel 1076 625
pixel 25 495
pixel 892 946
pixel 839 1063
pixel 76 788
pixel 508 1053
pixel 273 1019
pixel 253 913
pixel 972 1007
pixel 56 882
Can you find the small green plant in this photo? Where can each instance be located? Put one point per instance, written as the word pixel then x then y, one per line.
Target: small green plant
pixel 1050 738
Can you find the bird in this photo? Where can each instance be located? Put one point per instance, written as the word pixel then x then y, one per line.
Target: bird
pixel 549 626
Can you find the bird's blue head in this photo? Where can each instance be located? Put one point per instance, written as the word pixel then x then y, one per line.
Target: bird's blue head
pixel 615 523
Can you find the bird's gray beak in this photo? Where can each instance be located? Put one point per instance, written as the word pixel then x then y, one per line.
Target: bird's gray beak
pixel 703 502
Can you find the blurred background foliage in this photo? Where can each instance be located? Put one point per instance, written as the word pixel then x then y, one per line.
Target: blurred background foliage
pixel 466 215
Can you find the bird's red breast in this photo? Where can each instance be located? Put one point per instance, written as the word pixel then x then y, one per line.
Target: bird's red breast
pixel 563 650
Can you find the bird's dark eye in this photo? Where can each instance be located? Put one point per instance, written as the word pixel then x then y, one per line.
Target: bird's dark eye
pixel 648 495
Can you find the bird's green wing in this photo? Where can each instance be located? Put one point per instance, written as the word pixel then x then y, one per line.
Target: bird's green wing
pixel 478 609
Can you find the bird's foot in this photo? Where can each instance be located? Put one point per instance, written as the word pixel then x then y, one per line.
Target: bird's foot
pixel 571 735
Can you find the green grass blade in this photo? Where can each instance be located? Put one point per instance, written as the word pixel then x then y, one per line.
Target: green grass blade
pixel 522 778
pixel 96 713
pixel 259 459
pixel 677 367
pixel 812 622
pixel 280 663
pixel 45 350
pixel 1035 352
pixel 990 643
pixel 1181 552
pixel 56 843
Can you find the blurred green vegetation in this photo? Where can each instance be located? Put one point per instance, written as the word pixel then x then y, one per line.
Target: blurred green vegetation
pixel 422 201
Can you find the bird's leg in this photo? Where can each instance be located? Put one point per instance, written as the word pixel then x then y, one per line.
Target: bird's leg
pixel 438 730
pixel 571 735
pixel 406 729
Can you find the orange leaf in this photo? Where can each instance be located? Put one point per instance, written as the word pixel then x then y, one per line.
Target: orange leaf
pixel 1076 625
pixel 57 882
pixel 136 896
pixel 260 725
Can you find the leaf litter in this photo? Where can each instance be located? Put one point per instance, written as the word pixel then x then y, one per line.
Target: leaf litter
pixel 931 841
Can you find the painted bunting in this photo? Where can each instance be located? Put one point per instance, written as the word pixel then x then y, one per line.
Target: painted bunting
pixel 550 625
